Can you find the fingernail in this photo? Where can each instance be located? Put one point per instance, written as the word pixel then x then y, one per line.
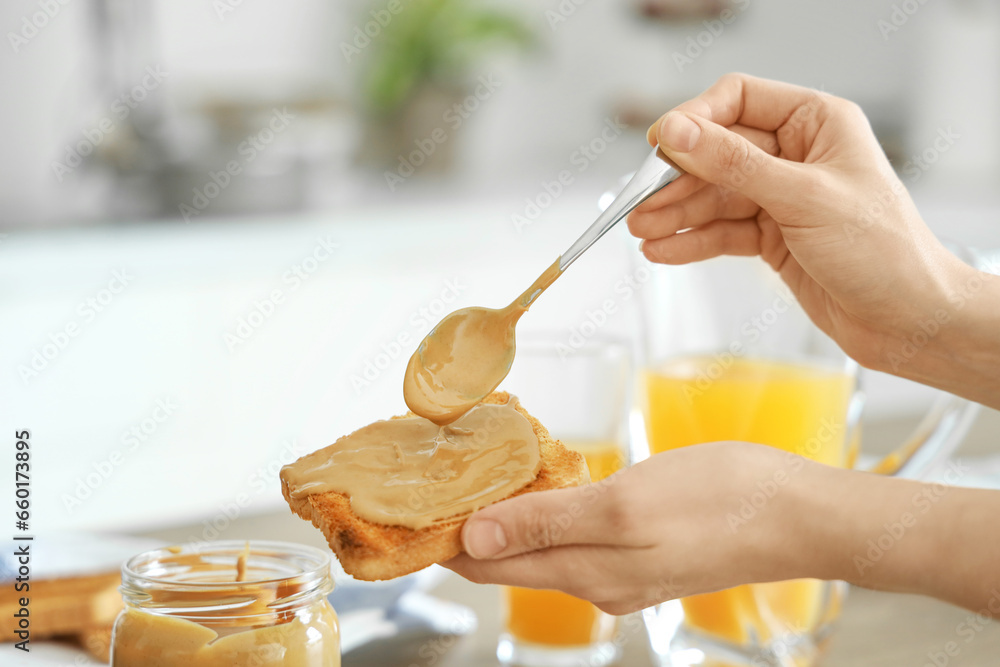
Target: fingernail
pixel 679 132
pixel 484 538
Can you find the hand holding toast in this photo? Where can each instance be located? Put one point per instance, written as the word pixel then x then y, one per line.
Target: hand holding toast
pixel 653 532
pixel 703 518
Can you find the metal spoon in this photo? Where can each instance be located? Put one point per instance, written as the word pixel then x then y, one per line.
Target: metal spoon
pixel 469 353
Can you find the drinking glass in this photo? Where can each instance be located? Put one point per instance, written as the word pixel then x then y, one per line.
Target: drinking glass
pixel 728 354
pixel 582 395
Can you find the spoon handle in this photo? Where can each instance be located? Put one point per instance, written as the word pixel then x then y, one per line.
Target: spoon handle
pixel 655 172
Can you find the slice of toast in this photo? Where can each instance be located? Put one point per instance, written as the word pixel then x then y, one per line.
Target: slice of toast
pixel 64 606
pixel 372 551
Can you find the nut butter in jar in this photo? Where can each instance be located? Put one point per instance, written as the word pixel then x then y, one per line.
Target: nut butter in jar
pixel 255 604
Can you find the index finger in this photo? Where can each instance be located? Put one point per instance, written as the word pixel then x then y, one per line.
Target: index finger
pixel 748 100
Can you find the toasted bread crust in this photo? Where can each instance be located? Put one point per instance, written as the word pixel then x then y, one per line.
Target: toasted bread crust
pixel 373 551
pixel 64 606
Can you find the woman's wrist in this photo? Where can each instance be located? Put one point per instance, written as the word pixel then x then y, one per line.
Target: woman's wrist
pixel 952 344
pixel 898 535
pixel 822 516
pixel 813 522
pixel 971 340
pixel 904 536
pixel 837 515
pixel 846 523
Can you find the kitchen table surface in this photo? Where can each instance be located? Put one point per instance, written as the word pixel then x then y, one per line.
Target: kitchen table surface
pixel 876 630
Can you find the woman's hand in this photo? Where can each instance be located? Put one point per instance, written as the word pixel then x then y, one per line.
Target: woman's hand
pixel 797 177
pixel 668 527
pixel 707 517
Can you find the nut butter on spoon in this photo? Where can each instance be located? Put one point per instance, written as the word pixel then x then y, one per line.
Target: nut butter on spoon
pixel 469 353
pixel 466 356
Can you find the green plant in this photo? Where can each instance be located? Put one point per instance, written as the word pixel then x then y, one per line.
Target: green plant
pixel 434 41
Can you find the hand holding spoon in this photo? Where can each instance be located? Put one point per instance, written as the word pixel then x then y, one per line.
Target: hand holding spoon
pixel 469 353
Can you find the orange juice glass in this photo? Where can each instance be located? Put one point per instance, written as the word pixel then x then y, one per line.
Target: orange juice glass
pixel 582 396
pixel 798 407
pixel 728 354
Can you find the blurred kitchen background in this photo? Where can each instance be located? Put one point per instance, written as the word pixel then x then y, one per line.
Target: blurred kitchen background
pixel 225 224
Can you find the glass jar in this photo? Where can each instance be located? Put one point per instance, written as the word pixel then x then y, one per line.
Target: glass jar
pixel 252 604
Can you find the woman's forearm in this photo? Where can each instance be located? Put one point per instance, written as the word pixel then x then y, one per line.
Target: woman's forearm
pixel 955 346
pixel 905 536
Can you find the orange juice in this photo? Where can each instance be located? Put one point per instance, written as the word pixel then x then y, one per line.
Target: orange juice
pixel 604 457
pixel 795 407
pixel 554 618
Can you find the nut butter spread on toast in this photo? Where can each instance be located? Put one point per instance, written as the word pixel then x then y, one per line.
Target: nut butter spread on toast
pixel 411 472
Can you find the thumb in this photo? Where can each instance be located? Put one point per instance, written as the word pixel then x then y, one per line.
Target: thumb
pixel 539 520
pixel 718 155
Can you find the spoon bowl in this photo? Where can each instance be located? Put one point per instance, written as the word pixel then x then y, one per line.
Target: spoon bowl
pixel 469 353
pixel 462 360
